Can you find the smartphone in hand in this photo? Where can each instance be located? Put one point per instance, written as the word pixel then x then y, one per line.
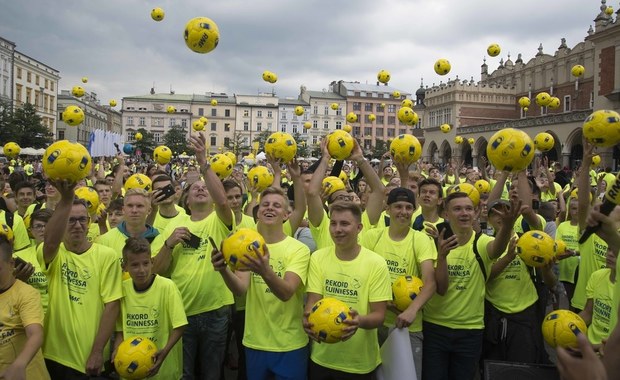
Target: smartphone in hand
pixel 445 226
pixel 193 241
pixel 168 191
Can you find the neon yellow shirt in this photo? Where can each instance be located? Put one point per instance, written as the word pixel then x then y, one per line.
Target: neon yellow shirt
pixel 366 221
pixel 614 305
pixel 320 233
pixel 161 222
pixel 37 280
pixel 601 290
pixel 356 282
pixel 116 239
pixel 21 240
pixel 513 290
pixel 153 314
pixel 547 196
pixel 462 307
pixel 593 257
pixel 569 234
pixel 20 306
pixel 79 286
pixel 518 227
pixel 402 258
pixel 201 287
pixel 271 324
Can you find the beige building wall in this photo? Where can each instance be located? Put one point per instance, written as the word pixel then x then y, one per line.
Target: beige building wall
pixel 255 114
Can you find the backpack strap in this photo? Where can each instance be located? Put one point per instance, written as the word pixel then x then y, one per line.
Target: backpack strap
pixel 418 223
pixel 479 258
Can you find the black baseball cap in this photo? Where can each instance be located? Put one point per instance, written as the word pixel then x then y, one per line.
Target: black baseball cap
pixel 497 203
pixel 401 194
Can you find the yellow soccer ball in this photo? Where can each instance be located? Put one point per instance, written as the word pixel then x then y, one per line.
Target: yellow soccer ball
pixel 554 103
pixel 84 80
pixel 260 177
pixel 232 157
pixel 493 50
pixel 281 146
pixel 112 103
pixel 560 247
pixel 331 184
pixel 135 356
pixel 77 91
pixel 327 317
pixel 544 141
pixel 396 94
pixel 609 11
pixel 241 244
pixel 138 136
pixel 270 77
pixel 560 328
pixel 213 102
pixel 525 109
pixel 90 196
pixel 536 248
pixel 407 103
pixel 203 120
pixel 445 128
pixel 351 117
pixel 510 150
pixel 471 141
pixel 442 66
pixel 577 70
pixel 307 125
pixel 138 181
pixel 405 115
pixel 72 115
pixel 372 117
pixel 299 110
pixel 543 99
pixel 171 109
pixel 467 188
pixel 8 231
pixel 406 149
pixel 162 155
pixel 64 160
pixel 11 149
pixel 602 128
pixel 458 140
pixel 334 106
pixel 222 165
pixel 405 289
pixel 383 76
pixel 340 144
pixel 343 176
pixel 201 35
pixel 157 14
pixel 198 125
pixel 596 160
pixel 524 102
pixel 483 186
pixel 347 128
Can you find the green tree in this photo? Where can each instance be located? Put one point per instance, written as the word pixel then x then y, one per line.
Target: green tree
pixel 236 144
pixel 147 144
pixel 379 149
pixel 302 146
pixel 261 138
pixel 23 126
pixel 177 140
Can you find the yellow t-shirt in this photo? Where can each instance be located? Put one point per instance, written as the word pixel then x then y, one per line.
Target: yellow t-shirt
pixel 94 231
pixel 593 257
pixel 613 321
pixel 356 282
pixel 520 223
pixel 321 234
pixel 271 324
pixel 462 307
pixel 403 258
pixel 153 314
pixel 569 234
pixel 79 286
pixel 161 222
pixel 547 196
pixel 513 290
pixel 601 290
pixel 20 306
pixel 116 239
pixel 201 287
pixel 38 280
pixel 21 240
pixel 380 222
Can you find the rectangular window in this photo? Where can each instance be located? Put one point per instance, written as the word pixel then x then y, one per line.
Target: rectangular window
pixel 269 114
pixel 246 126
pixel 259 126
pixel 380 119
pixel 326 110
pixel 391 120
pixel 314 140
pixel 213 140
pixel 357 106
pixel 367 131
pixel 402 131
pixel 61 134
pixel 183 123
pixel 391 108
pixel 130 120
pixel 142 121
pixel 339 125
pixel 36 80
pixel 339 111
pixel 315 124
pixel 567 103
pixel 213 127
pixel 19 75
pixel 259 113
pixel 379 132
pixel 282 127
pixel 390 132
pixel 356 131
pixel 246 113
pixel 326 124
pixel 543 110
pixel 227 113
pixel 52 86
pixel 173 122
pixel 29 77
pixel 294 128
pixel 283 115
pixel 368 107
pixel 157 137
pixel 226 127
pixel 213 111
pixel 226 141
pixel 315 110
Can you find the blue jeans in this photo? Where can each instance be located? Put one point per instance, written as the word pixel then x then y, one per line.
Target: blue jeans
pixel 450 353
pixel 204 343
pixel 288 365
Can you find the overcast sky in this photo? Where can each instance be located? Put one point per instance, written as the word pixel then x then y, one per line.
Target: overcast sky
pixel 122 51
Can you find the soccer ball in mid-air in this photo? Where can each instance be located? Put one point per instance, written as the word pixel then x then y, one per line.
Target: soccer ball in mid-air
pixel 128 148
pixel 543 99
pixel 383 76
pixel 554 103
pixel 201 35
pixel 510 150
pixel 577 70
pixel 90 197
pixel 602 128
pixel 405 115
pixel 471 141
pixel 334 106
pixel 299 110
pixel 406 149
pixel 64 160
pixel 307 125
pixel 544 141
pixel 135 357
pixel 171 109
pixel 442 66
pixel 198 125
pixel 347 128
pixel 467 188
pixel 445 128
pixel 405 289
pixel 221 165
pixel 340 144
pixel 11 149
pixel 372 117
pixel 78 91
pixel 524 102
pixel 213 102
pixel 536 248
pixel 281 146
pixel 260 177
pixel 73 115
pixel 351 117
pixel 138 136
pixel 560 328
pixel 407 103
pixel 327 317
pixel 157 14
pixel 138 181
pixel 270 77
pixel 331 184
pixel 458 140
pixel 232 157
pixel 396 94
pixel 493 50
pixel 244 242
pixel 112 103
pixel 162 155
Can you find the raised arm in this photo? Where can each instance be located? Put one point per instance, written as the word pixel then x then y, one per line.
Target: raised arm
pixel 498 189
pixel 300 196
pixel 524 192
pixel 117 185
pixel 315 203
pixel 374 206
pixel 58 222
pixel 497 246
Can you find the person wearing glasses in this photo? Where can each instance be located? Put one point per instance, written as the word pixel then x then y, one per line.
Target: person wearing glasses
pixel 84 282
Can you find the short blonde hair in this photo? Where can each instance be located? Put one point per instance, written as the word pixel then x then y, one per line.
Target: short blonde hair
pixel 138 191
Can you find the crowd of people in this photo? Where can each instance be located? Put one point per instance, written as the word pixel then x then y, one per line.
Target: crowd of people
pixel 79 275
